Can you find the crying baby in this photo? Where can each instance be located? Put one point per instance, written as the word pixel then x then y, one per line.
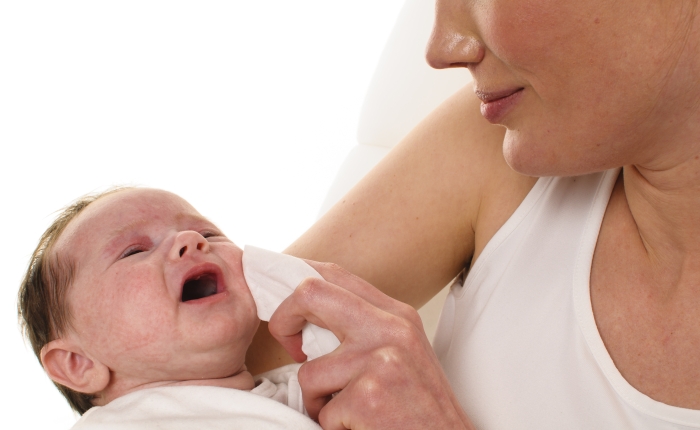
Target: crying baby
pixel 137 307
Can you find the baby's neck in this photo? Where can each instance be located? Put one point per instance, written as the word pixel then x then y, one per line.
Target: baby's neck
pixel 240 381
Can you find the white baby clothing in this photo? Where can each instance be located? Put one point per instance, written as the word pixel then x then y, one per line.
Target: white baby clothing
pixel 281 385
pixel 266 407
pixel 518 339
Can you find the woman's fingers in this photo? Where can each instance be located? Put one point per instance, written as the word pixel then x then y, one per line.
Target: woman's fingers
pixel 327 375
pixel 341 277
pixel 337 414
pixel 318 302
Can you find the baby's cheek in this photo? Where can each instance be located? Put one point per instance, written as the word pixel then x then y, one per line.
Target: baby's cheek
pixel 132 326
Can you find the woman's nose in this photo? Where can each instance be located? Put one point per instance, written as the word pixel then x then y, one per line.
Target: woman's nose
pixel 186 243
pixel 453 42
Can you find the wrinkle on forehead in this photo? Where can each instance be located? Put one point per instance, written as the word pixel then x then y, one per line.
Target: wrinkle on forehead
pixel 129 197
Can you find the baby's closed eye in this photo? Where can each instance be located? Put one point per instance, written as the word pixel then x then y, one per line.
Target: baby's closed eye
pixel 213 236
pixel 132 250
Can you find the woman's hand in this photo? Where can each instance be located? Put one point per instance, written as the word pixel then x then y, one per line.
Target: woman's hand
pixel 385 372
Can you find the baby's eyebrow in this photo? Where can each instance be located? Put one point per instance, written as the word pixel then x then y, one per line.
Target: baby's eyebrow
pixel 193 217
pixel 116 236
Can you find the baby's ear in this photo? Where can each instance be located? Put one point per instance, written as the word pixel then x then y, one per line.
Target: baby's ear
pixel 66 364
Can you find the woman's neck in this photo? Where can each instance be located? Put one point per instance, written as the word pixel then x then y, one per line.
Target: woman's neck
pixel 665 206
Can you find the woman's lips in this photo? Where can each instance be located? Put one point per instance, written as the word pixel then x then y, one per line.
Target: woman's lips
pixel 494 106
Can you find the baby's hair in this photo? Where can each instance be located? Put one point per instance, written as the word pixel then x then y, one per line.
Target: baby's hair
pixel 41 307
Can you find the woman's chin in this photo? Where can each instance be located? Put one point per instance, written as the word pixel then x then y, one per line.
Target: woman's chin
pixel 538 157
pixel 526 157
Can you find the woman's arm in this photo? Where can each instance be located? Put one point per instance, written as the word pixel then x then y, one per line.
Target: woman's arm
pixel 408 226
pixel 420 215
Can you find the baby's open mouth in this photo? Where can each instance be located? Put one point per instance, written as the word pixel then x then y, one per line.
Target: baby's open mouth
pixel 198 287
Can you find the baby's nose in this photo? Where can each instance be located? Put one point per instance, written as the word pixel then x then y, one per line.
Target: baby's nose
pixel 187 242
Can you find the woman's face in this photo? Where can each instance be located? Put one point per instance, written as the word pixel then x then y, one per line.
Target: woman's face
pixel 593 84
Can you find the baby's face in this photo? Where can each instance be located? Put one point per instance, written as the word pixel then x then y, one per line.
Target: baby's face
pixel 158 292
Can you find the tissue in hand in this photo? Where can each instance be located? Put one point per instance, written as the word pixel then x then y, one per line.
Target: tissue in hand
pixel 272 277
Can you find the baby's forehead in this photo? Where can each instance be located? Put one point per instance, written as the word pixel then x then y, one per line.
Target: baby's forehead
pixel 122 211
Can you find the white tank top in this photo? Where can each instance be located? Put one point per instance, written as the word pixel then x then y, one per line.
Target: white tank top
pixel 517 338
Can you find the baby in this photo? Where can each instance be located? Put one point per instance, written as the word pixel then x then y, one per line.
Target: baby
pixel 138 310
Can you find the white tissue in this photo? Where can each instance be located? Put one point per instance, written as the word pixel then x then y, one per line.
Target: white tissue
pixel 272 277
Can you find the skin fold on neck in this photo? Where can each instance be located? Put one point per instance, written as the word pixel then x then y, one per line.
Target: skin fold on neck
pixel 242 380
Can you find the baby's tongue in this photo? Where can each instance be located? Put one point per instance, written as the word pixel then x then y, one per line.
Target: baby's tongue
pixel 198 288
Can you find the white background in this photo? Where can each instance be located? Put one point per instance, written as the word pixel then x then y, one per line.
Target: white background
pixel 245 108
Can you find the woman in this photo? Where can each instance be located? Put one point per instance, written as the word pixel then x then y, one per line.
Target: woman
pixel 579 308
